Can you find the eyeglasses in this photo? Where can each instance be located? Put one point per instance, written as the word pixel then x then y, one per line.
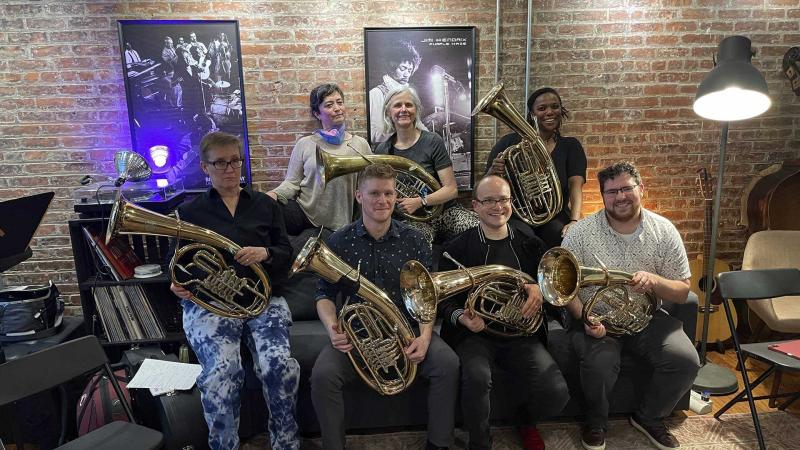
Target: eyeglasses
pixel 625 190
pixel 222 165
pixel 495 201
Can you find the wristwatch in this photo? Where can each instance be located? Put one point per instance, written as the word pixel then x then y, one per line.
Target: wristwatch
pixel 424 200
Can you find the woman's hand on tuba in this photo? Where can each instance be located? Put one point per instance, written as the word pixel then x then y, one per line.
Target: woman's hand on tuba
pixel 409 205
pixel 179 291
pixel 597 331
pixel 251 255
pixel 498 166
pixel 472 321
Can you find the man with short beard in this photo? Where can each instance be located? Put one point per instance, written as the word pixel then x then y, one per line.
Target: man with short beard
pixel 628 237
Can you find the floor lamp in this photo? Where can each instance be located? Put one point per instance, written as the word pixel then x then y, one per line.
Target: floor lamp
pixel 733 90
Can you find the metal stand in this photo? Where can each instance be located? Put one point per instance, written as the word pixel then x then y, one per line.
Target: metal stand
pixel 711 378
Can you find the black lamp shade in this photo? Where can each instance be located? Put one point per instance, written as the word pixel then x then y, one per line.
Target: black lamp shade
pixel 734 89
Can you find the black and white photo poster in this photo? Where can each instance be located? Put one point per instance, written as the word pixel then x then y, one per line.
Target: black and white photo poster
pixel 439 63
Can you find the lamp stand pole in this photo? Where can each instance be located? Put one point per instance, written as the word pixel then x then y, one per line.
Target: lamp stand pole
pixel 712 378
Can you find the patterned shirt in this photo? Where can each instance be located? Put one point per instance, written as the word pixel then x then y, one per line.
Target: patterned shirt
pixel 655 247
pixel 380 260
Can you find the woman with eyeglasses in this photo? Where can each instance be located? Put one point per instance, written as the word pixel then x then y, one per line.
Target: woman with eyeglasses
pixel 255 222
pixel 402 110
pixel 546 109
pixel 308 204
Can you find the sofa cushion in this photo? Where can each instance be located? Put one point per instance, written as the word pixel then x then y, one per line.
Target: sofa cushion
pixel 301 288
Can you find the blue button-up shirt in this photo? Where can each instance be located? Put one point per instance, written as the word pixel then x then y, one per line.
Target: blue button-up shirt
pixel 381 259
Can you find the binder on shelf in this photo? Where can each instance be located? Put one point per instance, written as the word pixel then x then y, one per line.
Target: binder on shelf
pixel 117 252
pixel 101 257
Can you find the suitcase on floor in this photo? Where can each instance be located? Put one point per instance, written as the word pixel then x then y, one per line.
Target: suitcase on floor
pixel 178 415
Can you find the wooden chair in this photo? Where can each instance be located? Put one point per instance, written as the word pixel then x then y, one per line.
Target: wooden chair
pixel 753 285
pixel 38 372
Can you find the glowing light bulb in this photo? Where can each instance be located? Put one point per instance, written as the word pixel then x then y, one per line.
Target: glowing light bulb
pixel 159 154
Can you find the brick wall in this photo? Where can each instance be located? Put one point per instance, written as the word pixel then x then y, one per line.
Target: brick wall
pixel 628 73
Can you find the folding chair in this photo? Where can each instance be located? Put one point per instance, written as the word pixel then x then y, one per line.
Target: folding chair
pixel 38 372
pixel 759 285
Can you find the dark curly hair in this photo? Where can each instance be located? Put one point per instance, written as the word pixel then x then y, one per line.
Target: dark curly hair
pixel 617 169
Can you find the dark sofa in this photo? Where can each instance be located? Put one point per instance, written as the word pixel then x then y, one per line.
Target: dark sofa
pixel 365 409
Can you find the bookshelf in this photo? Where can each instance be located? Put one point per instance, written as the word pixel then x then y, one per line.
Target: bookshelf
pixel 156 310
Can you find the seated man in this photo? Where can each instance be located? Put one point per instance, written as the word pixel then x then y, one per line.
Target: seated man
pixel 496 241
pixel 378 246
pixel 627 237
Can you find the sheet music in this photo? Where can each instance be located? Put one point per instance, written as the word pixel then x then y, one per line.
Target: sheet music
pixel 164 376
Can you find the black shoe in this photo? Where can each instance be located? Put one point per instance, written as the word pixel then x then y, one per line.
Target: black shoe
pixel 658 434
pixel 593 438
pixel 431 446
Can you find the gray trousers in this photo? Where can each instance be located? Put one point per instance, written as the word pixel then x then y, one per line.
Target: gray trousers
pixel 333 370
pixel 663 344
pixel 527 359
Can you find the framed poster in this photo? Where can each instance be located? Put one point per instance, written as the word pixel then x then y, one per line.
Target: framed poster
pixel 183 79
pixel 439 63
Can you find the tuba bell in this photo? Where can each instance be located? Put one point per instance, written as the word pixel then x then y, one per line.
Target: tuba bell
pixel 535 187
pixel 411 181
pixel 496 295
pixel 377 329
pixel 213 284
pixel 614 305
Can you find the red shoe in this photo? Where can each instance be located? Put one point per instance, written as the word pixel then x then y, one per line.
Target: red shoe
pixel 531 439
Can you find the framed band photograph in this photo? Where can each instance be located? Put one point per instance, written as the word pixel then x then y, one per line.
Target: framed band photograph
pixel 439 63
pixel 183 79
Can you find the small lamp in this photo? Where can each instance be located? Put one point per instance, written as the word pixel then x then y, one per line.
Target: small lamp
pixel 734 90
pixel 130 166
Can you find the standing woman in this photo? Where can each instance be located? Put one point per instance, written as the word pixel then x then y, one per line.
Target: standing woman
pixel 401 118
pixel 306 203
pixel 545 107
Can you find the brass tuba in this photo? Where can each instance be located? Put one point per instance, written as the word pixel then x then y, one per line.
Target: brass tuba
pixel 620 310
pixel 377 329
pixel 412 180
pixel 535 187
pixel 220 290
pixel 496 295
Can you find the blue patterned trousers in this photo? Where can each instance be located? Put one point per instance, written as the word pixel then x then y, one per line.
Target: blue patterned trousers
pixel 216 341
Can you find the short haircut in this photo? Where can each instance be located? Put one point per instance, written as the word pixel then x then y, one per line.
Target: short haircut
pixel 388 125
pixel 485 179
pixel 617 169
pixel 379 171
pixel 538 93
pixel 399 53
pixel 319 93
pixel 217 139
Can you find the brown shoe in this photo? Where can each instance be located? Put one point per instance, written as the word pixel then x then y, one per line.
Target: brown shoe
pixel 593 438
pixel 658 434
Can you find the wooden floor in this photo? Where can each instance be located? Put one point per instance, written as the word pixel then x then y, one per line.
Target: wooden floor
pixel 789 383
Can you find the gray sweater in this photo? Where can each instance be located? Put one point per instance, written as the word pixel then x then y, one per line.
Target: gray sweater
pixel 331 207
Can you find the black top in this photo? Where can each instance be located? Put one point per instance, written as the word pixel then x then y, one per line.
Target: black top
pixel 568 158
pixel 257 222
pixel 429 152
pixel 381 260
pixel 471 248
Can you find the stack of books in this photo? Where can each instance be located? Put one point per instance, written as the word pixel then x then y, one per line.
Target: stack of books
pixel 117 256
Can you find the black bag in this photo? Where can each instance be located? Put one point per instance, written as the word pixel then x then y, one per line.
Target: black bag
pixel 30 312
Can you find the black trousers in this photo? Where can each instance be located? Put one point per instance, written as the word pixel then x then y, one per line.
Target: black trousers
pixel 663 344
pixel 531 365
pixel 333 370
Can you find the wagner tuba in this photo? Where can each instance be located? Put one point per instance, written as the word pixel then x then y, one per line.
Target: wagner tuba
pixel 496 295
pixel 377 329
pixel 217 288
pixel 535 187
pixel 412 180
pixel 620 310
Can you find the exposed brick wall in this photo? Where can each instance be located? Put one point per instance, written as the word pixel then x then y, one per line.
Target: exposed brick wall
pixel 628 73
